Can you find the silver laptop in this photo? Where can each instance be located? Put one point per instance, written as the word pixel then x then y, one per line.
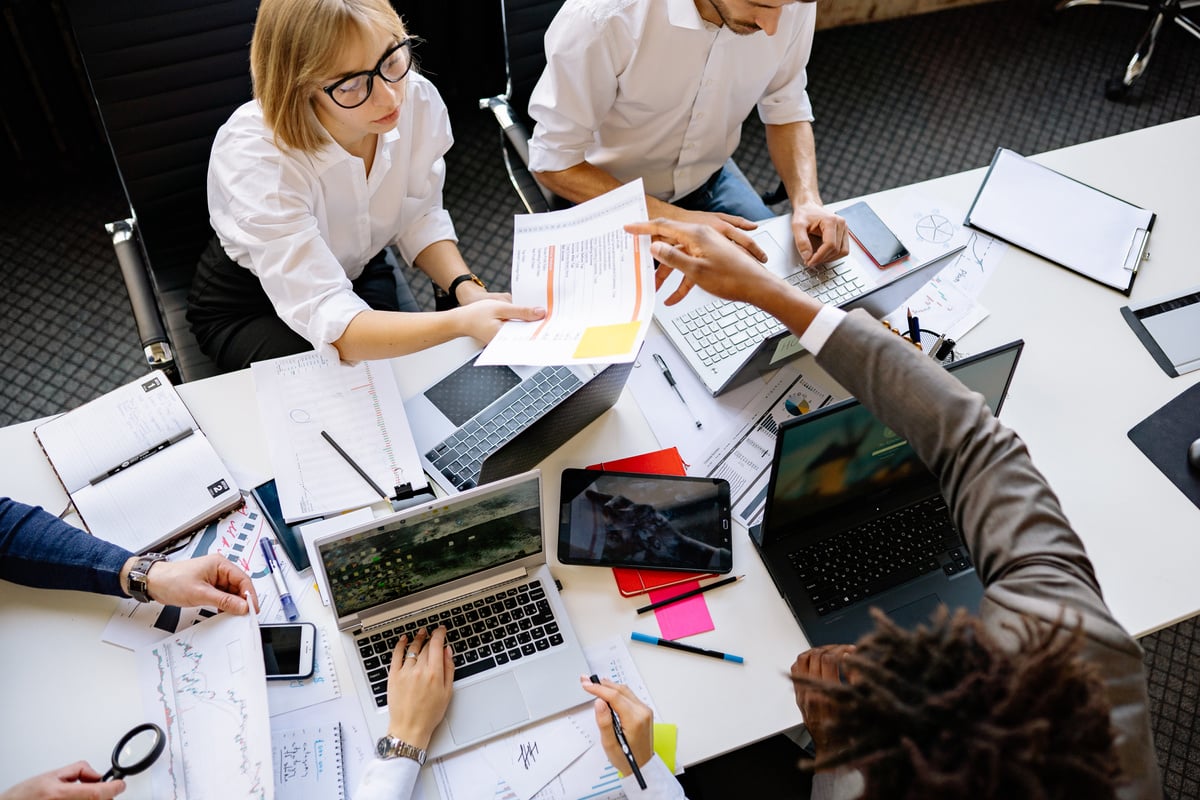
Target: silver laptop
pixel 478 424
pixel 476 563
pixel 727 344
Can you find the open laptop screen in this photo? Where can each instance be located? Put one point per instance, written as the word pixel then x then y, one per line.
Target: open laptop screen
pixel 830 460
pixel 438 545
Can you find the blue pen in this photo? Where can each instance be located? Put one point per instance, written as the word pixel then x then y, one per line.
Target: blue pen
pixel 285 597
pixel 687 648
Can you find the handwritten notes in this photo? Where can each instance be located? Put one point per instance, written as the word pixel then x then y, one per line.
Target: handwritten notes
pixel 308 763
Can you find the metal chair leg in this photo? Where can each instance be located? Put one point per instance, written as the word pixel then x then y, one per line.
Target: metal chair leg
pixel 1118 88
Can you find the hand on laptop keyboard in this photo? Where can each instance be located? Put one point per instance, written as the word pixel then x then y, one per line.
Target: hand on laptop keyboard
pixel 419 685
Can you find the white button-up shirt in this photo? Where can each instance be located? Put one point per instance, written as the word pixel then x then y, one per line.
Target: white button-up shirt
pixel 307 224
pixel 647 88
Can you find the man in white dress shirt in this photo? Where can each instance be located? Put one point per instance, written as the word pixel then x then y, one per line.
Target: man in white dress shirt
pixel 658 89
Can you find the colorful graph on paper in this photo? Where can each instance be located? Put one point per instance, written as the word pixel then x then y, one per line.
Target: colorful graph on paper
pixel 206 687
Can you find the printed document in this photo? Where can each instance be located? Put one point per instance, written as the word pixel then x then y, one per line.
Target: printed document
pixel 359 406
pixel 207 687
pixel 595 281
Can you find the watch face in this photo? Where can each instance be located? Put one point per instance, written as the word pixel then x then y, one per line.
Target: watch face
pixel 383 747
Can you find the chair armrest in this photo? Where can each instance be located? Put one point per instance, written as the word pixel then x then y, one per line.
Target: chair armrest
pixel 151 331
pixel 535 197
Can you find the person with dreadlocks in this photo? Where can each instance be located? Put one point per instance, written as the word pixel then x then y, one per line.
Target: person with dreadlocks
pixel 1041 696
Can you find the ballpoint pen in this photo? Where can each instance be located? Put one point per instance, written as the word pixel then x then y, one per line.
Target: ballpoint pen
pixel 662 365
pixel 937 347
pixel 354 464
pixel 624 743
pixel 276 570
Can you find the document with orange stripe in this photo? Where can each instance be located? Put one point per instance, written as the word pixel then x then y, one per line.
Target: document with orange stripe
pixel 595 281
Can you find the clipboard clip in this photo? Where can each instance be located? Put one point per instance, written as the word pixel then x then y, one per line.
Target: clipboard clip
pixel 1137 250
pixel 406 496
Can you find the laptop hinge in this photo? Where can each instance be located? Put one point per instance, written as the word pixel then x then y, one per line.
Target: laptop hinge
pixel 490 584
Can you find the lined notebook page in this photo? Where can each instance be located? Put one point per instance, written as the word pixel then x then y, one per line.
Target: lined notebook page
pixel 308 763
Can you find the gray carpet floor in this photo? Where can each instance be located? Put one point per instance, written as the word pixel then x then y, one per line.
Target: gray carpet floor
pixel 896 102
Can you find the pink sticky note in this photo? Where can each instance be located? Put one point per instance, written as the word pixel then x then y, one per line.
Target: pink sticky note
pixel 684 618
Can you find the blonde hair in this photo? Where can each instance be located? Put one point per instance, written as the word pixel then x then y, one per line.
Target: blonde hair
pixel 297 43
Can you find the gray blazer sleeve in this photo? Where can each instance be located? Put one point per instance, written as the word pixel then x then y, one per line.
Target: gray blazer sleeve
pixel 1031 562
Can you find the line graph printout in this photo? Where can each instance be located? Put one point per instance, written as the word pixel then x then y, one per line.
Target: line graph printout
pixel 206 688
pixel 359 406
pixel 595 281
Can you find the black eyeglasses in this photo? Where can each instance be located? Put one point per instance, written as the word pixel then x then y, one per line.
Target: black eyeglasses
pixel 353 90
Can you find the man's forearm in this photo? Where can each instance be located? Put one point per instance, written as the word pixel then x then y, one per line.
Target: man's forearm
pixel 585 181
pixel 793 151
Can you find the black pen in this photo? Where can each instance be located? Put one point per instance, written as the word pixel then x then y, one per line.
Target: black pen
pixel 687 594
pixel 354 464
pixel 142 456
pixel 621 740
pixel 662 365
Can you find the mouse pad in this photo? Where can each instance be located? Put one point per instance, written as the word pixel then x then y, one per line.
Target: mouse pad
pixel 1164 437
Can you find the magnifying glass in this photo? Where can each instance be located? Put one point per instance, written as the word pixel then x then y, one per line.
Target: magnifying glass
pixel 136 751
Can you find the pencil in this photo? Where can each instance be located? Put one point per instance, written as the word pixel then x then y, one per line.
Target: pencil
pixel 687 594
pixel 687 648
pixel 354 464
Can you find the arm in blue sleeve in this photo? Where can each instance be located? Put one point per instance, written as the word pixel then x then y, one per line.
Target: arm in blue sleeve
pixel 40 550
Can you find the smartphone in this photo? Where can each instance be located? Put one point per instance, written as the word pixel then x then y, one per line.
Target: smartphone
pixel 631 519
pixel 288 649
pixel 872 235
pixel 267 497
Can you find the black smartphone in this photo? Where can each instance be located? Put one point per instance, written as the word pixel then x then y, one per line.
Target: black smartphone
pixel 872 235
pixel 267 497
pixel 288 649
pixel 629 519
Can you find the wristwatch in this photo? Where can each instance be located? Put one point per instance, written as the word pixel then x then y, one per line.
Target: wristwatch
pixel 137 584
pixel 391 747
pixel 452 290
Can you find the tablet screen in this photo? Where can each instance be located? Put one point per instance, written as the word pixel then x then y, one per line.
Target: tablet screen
pixel 623 519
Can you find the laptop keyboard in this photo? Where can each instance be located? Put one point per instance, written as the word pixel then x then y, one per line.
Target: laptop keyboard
pixel 459 457
pixel 722 329
pixel 880 554
pixel 487 632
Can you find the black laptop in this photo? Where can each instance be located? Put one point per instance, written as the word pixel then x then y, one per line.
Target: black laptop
pixel 854 520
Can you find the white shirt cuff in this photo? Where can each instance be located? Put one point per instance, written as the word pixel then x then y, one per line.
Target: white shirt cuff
pixel 388 779
pixel 821 328
pixel 660 783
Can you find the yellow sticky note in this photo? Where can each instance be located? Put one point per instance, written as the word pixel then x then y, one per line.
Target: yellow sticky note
pixel 666 737
pixel 607 340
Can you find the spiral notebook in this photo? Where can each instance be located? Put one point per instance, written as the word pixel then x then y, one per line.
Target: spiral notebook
pixel 308 763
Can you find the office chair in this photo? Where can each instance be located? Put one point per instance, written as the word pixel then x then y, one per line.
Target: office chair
pixel 1158 12
pixel 165 75
pixel 525 23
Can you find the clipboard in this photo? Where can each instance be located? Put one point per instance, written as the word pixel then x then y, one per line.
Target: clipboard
pixel 1062 220
pixel 1167 327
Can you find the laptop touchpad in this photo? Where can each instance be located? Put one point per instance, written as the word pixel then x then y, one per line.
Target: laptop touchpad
pixel 486 707
pixel 917 612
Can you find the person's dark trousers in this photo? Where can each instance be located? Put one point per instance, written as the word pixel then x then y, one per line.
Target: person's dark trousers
pixel 235 323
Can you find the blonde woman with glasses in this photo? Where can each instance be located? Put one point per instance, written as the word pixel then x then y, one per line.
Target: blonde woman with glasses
pixel 339 155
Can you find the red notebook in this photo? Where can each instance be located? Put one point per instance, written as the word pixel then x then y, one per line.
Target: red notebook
pixel 630 581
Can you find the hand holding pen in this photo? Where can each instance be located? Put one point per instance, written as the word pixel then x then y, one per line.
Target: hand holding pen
pixel 626 725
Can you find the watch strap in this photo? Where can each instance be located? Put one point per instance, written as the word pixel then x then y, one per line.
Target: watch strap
pixel 137 583
pixel 452 289
pixel 391 747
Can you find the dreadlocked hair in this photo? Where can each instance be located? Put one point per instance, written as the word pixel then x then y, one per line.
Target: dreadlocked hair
pixel 944 712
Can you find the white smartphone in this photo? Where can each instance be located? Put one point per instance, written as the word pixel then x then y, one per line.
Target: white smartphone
pixel 288 649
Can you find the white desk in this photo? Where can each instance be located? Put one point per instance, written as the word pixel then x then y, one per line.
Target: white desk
pixel 1083 381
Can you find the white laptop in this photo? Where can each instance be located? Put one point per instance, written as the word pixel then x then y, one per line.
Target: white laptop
pixel 476 563
pixel 477 424
pixel 727 343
